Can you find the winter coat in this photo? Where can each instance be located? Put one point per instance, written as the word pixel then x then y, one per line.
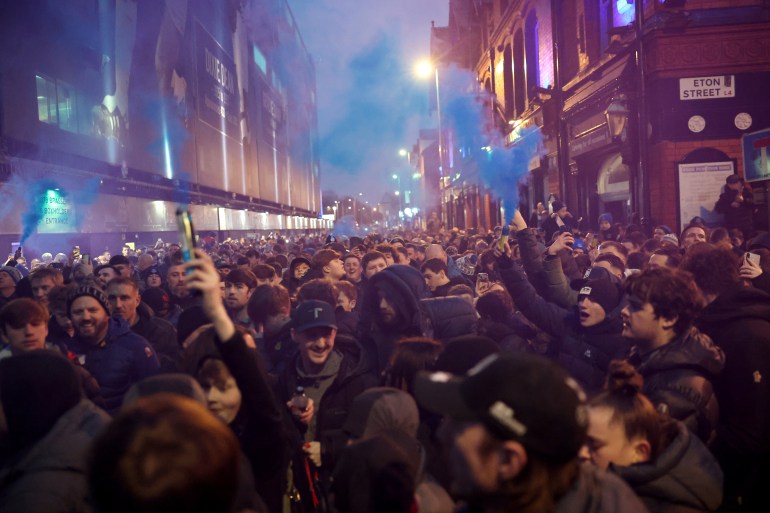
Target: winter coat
pixel 161 335
pixel 352 378
pixel 50 477
pixel 404 287
pixel 678 379
pixel 121 361
pixel 585 352
pixel 742 216
pixel 684 478
pixel 739 323
pixel 448 317
pixel 259 423
pixel 512 334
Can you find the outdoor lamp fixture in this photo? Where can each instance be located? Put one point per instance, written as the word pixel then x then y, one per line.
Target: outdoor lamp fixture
pixel 617 118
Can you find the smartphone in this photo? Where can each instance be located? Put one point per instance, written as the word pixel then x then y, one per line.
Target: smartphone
pixel 85 259
pixel 753 258
pixel 482 278
pixel 186 233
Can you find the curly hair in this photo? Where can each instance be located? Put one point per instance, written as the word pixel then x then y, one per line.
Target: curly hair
pixel 671 294
pixel 715 270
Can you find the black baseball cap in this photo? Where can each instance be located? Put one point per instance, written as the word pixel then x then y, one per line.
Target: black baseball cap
pixel 313 314
pixel 518 396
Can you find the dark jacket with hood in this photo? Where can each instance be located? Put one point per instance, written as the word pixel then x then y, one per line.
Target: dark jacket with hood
pixel 448 317
pixel 742 216
pixel 290 282
pixel 121 361
pixel 403 286
pixel 739 323
pixel 684 478
pixel 679 377
pixel 585 352
pixel 351 379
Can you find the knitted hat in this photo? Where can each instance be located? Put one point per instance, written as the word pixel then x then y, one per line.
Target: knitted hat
pixel 670 237
pixel 602 292
pixel 606 217
pixel 12 272
pixel 86 290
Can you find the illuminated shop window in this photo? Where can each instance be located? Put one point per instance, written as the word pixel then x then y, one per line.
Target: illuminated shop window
pixel 259 59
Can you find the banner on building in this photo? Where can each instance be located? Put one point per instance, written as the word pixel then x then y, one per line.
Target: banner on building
pixel 700 185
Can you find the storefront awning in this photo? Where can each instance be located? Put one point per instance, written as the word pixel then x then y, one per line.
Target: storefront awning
pixel 610 78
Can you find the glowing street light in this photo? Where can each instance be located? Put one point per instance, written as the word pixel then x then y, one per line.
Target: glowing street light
pixel 402 152
pixel 424 69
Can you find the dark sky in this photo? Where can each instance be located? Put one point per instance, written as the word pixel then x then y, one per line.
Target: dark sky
pixel 370 101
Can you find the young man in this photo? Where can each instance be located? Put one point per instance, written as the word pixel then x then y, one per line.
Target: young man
pixel 326 264
pixel 511 451
pixel 678 362
pixel 126 302
pixel 9 277
pixel 332 375
pixel 353 270
pixel 42 281
pixel 104 273
pixel 24 325
pixel 178 292
pixel 107 348
pixel 239 285
pixel 372 263
pixel 434 271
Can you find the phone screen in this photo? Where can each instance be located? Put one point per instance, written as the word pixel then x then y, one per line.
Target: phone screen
pixel 186 234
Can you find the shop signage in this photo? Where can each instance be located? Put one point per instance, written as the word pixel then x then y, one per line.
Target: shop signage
pixel 218 100
pixel 707 88
pixel 756 147
pixel 590 141
pixel 57 213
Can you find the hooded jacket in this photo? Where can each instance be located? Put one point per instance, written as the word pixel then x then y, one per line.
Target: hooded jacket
pixel 448 317
pixel 678 378
pixel 739 323
pixel 684 477
pixel 161 335
pixel 51 475
pixel 403 287
pixel 585 352
pixel 121 361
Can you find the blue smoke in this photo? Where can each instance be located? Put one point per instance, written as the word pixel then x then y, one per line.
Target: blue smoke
pixel 501 168
pixel 346 226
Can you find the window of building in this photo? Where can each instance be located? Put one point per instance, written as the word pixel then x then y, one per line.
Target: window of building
pixel 519 79
pixel 532 47
pixel 59 104
pixel 508 81
pixel 259 59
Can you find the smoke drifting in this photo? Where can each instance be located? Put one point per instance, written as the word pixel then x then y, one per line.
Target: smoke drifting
pixel 501 168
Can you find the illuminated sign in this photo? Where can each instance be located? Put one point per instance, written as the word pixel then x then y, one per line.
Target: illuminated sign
pixel 57 213
pixel 218 100
pixel 707 88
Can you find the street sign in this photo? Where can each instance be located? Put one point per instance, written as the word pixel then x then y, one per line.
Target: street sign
pixel 755 155
pixel 707 88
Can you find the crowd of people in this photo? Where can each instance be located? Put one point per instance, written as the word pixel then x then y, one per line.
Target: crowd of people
pixel 532 369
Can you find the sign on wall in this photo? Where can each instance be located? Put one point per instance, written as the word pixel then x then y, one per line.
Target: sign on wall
pixel 707 88
pixel 218 96
pixel 756 147
pixel 700 185
pixel 57 213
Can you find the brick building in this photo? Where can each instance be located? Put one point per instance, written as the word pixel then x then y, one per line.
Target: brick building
pixel 596 75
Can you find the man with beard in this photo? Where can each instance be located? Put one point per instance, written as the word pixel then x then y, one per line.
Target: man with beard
pixel 126 302
pixel 390 311
pixel 178 292
pixel 513 451
pixel 239 285
pixel 113 354
pixel 104 273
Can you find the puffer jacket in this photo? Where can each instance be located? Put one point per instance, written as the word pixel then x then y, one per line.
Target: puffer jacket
pixel 124 359
pixel 684 478
pixel 51 476
pixel 161 335
pixel 448 317
pixel 584 352
pixel 679 377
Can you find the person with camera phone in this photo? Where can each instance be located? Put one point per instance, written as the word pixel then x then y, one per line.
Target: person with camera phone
pixel 736 204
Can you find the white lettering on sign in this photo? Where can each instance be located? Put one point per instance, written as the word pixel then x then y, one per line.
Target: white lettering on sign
pixel 316 310
pixel 707 88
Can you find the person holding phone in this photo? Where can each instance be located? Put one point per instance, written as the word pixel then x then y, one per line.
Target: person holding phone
pixel 736 204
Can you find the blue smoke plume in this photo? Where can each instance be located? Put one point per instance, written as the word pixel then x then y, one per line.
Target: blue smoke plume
pixel 501 168
pixel 346 226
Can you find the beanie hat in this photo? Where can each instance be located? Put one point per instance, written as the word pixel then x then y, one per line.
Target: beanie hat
pixel 467 264
pixel 671 238
pixel 86 290
pixel 602 292
pixel 606 217
pixel 12 272
pixel 558 205
pixel 154 269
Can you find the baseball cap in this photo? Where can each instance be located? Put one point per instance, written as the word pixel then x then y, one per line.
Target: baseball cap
pixel 603 292
pixel 516 396
pixel 313 314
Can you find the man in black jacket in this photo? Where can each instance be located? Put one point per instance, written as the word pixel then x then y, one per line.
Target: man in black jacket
pixel 738 319
pixel 736 203
pixel 678 363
